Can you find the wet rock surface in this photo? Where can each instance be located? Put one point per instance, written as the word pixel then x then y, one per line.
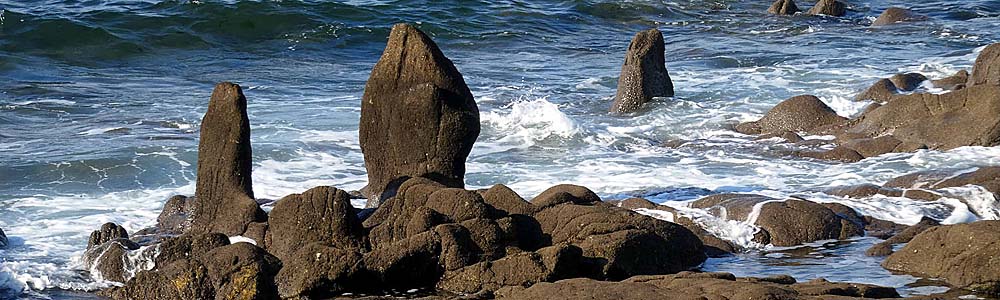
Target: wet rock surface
pixel 800 113
pixel 783 7
pixel 894 15
pixel 964 255
pixel 418 117
pixel 829 7
pixel 644 73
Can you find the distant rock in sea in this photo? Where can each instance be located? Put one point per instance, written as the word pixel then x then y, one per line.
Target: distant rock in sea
pixel 644 73
pixel 783 7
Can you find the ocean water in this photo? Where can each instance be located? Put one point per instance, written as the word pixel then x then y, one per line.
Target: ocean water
pixel 100 104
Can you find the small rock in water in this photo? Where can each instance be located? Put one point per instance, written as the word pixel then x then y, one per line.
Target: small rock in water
pixel 907 81
pixel 783 7
pixel 644 73
pixel 953 82
pixel 882 91
pixel 829 7
pixel 895 15
pixel 799 113
pixel 3 239
pixel 418 117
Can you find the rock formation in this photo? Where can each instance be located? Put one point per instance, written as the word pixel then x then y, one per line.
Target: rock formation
pixel 225 194
pixel 885 247
pixel 418 118
pixel 987 67
pixel 829 7
pixel 784 222
pixel 3 239
pixel 953 82
pixel 964 255
pixel 783 7
pixel 895 15
pixel 800 113
pixel 644 73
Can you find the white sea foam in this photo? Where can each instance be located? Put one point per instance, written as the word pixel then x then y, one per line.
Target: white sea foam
pixel 528 122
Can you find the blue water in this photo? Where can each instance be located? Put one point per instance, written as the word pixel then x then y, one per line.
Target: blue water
pixel 100 104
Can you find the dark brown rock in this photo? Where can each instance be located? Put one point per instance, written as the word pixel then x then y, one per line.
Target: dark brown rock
pixel 644 73
pixel 175 218
pixel 224 190
pixel 799 113
pixel 319 271
pixel 895 15
pixel 783 7
pixel 408 263
pixel 907 81
pixel 788 136
pixel 953 82
pixel 821 287
pixel 871 147
pixel 523 269
pixel 881 228
pixel 881 91
pixel 504 199
pixel 109 260
pixel 829 7
pixel 964 255
pixel 565 193
pixel 839 153
pixel 418 117
pixel 189 246
pixel 967 117
pixel 987 67
pixel 618 243
pixel 885 247
pixel 107 232
pixel 321 214
pixel 793 222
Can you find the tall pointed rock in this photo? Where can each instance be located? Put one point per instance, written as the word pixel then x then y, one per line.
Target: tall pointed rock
pixel 418 118
pixel 644 74
pixel 225 202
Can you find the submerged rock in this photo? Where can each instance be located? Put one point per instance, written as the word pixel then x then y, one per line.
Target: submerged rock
pixel 224 190
pixel 418 117
pixel 964 255
pixel 987 67
pixel 106 254
pixel 644 73
pixel 783 7
pixel 783 222
pixel 895 15
pixel 800 113
pixel 829 7
pixel 884 248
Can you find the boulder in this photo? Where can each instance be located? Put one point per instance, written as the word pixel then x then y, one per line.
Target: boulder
pixel 3 239
pixel 565 193
pixel 224 190
pixel 829 7
pixel 319 271
pixel 895 15
pixel 618 243
pixel 839 153
pixel 644 73
pixel 783 7
pixel 237 271
pixel 871 147
pixel 321 214
pixel 885 247
pixel 175 218
pixel 189 246
pixel 408 263
pixel 967 117
pixel 907 81
pixel 986 70
pixel 881 91
pixel 964 255
pixel 524 269
pixel 785 222
pixel 108 232
pixel 799 113
pixel 953 82
pixel 506 200
pixel 418 117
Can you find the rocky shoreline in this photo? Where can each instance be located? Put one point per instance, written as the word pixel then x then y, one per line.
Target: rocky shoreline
pixel 422 231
